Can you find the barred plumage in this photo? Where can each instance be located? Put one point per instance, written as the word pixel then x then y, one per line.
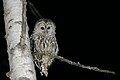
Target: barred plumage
pixel 44 42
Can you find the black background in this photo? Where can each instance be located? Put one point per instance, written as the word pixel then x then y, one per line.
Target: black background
pixel 85 33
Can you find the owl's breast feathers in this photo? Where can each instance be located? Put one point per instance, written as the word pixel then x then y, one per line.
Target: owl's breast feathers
pixel 47 45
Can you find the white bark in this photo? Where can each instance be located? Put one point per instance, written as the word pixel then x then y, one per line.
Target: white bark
pixel 20 58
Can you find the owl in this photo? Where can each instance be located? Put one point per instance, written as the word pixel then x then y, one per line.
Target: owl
pixel 43 41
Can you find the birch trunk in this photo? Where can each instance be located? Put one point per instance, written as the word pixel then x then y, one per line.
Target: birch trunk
pixel 18 44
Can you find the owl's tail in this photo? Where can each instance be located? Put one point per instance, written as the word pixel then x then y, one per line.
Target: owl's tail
pixel 46 61
pixel 44 70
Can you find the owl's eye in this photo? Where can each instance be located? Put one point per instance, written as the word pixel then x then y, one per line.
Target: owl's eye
pixel 48 27
pixel 42 28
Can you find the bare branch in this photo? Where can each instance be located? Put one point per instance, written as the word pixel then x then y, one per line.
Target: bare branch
pixel 81 65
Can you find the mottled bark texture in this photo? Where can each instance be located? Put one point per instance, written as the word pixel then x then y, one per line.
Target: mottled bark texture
pixel 18 44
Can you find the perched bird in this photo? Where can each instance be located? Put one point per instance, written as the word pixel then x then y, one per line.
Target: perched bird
pixel 43 42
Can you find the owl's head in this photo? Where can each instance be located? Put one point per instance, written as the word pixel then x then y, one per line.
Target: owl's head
pixel 45 27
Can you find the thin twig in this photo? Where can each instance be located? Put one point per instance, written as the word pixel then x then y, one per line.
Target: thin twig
pixel 34 10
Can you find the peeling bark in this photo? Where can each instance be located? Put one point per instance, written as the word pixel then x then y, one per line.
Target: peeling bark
pixel 18 44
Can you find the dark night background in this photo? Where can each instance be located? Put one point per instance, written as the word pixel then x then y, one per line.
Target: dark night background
pixel 85 33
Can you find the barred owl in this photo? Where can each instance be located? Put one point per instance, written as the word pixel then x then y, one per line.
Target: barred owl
pixel 44 42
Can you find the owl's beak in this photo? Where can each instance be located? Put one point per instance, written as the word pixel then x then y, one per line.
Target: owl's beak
pixel 46 32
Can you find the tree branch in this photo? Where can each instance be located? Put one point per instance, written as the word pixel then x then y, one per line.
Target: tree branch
pixel 81 65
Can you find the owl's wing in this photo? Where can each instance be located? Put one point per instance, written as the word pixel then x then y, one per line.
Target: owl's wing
pixel 55 46
pixel 56 49
pixel 32 45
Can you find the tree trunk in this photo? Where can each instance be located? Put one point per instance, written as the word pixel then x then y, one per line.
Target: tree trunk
pixel 18 44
